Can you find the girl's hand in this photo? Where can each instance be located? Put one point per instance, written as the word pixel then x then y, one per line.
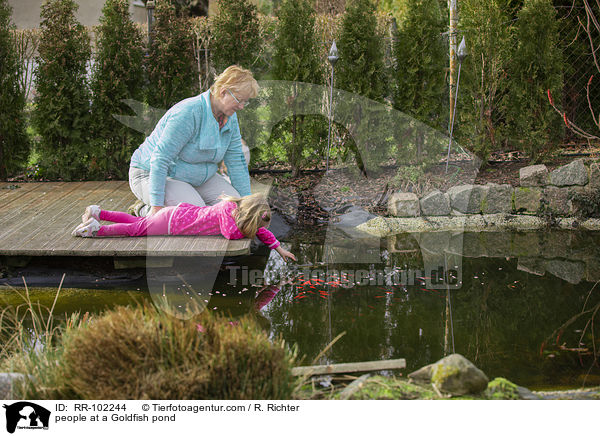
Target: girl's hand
pixel 285 254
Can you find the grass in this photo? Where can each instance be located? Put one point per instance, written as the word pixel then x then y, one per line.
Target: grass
pixel 141 352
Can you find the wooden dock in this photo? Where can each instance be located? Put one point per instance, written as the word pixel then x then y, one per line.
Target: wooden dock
pixel 36 219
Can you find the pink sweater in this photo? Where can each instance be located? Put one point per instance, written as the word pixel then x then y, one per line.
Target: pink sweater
pixel 188 219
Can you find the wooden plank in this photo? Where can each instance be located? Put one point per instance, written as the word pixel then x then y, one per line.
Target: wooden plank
pixel 338 368
pixel 7 194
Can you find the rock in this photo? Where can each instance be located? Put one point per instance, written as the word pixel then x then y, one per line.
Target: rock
pixel 526 394
pixel 404 204
pixel 436 203
pixel 454 375
pixel 498 199
pixel 467 198
pixel 558 200
pixel 574 173
pixel 594 175
pixel 502 389
pixel 353 216
pixel 572 272
pixel 528 200
pixel 7 381
pixel 533 175
pixel 592 270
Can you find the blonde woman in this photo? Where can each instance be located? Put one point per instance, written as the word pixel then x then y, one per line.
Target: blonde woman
pixel 178 162
pixel 234 218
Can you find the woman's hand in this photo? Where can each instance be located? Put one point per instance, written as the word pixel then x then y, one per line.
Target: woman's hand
pixel 285 254
pixel 154 209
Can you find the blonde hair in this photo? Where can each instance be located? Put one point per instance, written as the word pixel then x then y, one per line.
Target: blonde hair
pixel 238 80
pixel 252 213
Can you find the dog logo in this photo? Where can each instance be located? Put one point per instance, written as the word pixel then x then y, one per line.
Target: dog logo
pixel 26 415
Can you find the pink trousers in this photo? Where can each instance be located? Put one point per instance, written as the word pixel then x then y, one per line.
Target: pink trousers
pixel 129 225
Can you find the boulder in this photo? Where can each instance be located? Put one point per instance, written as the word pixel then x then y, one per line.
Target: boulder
pixel 574 173
pixel 558 200
pixel 436 203
pixel 7 381
pixel 533 175
pixel 528 200
pixel 404 204
pixel 594 176
pixel 498 199
pixel 467 198
pixel 454 375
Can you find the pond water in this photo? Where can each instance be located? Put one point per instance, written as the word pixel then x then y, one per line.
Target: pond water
pixel 518 305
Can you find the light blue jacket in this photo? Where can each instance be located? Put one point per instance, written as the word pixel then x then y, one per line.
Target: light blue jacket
pixel 187 145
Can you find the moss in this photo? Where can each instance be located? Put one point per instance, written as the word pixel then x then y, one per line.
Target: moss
pixel 501 389
pixel 441 373
pixel 384 388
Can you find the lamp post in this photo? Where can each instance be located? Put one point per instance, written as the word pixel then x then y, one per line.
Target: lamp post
pixel 333 57
pixel 150 10
pixel 461 55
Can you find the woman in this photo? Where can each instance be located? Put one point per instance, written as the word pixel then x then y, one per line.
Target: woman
pixel 178 162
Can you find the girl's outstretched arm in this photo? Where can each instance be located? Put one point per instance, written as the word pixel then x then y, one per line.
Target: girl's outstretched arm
pixel 284 253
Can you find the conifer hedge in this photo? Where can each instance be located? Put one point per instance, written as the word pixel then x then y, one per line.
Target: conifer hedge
pixel 117 75
pixel 14 142
pixel 62 114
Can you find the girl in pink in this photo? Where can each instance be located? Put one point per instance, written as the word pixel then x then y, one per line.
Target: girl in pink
pixel 234 218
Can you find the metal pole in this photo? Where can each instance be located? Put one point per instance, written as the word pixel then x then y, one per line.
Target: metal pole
pixel 330 118
pixel 453 115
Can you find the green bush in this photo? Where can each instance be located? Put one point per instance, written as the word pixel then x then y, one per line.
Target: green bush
pixel 142 353
pixel 171 67
pixel 360 71
pixel 14 142
pixel 117 75
pixel 421 57
pixel 534 68
pixel 236 33
pixel 295 60
pixel 62 112
pixel 487 28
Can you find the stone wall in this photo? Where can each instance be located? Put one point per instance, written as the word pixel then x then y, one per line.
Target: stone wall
pixel 540 193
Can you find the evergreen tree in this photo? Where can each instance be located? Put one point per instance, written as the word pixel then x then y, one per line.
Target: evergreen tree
pixel 535 68
pixel 117 75
pixel 360 71
pixel 236 35
pixel 487 28
pixel 62 113
pixel 296 60
pixel 420 87
pixel 171 66
pixel 14 142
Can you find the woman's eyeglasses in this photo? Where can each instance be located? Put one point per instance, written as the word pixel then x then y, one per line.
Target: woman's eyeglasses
pixel 241 103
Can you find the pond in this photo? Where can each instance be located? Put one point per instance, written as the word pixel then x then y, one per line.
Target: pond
pixel 518 305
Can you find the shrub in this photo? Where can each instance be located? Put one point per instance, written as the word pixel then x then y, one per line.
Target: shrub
pixel 171 66
pixel 117 75
pixel 487 28
pixel 14 142
pixel 141 353
pixel 296 60
pixel 421 60
pixel 62 113
pixel 534 68
pixel 236 33
pixel 360 70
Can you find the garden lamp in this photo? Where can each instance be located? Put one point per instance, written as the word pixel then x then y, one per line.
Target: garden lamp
pixel 461 55
pixel 150 10
pixel 333 57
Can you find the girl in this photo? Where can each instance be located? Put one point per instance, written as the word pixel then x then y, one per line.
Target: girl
pixel 234 218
